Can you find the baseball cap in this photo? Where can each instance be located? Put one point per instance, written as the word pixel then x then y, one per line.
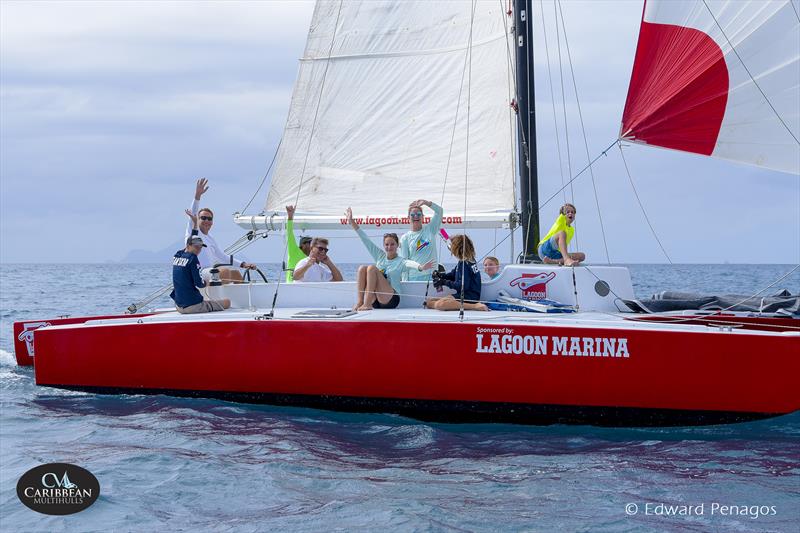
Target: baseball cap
pixel 195 240
pixel 305 240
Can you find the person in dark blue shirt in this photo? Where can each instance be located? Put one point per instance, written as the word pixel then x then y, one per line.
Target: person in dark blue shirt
pixel 465 277
pixel 186 278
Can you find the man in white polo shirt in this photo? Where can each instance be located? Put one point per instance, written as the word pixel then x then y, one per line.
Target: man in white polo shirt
pixel 317 266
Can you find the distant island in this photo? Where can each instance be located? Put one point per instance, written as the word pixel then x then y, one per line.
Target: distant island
pixel 163 255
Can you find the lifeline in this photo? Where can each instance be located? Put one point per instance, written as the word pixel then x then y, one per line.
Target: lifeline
pixel 567 346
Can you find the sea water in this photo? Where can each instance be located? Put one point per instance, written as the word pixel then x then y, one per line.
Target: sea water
pixel 193 464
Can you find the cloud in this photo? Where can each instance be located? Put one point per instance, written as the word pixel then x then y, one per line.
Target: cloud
pixel 111 110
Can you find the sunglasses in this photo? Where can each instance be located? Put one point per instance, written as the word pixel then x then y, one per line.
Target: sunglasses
pixel 322 249
pixel 415 215
pixel 208 219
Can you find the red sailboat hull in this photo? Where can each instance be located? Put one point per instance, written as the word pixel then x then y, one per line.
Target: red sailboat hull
pixel 439 370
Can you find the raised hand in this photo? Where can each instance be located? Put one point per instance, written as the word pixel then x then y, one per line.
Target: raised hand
pixel 201 188
pixel 419 203
pixel 290 212
pixel 349 214
pixel 193 217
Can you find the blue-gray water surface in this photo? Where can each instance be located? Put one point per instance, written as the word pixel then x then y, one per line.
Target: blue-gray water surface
pixel 193 464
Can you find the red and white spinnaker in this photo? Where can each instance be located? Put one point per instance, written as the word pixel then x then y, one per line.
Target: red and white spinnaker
pixel 719 78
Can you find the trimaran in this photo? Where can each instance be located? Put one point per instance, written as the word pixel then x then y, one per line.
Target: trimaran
pixel 396 101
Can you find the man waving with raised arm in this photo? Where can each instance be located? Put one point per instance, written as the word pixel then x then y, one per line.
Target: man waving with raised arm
pixel 212 254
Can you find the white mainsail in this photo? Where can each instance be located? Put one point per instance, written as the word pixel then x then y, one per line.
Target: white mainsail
pixel 382 87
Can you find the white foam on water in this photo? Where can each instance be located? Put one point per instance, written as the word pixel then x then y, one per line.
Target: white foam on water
pixel 7 358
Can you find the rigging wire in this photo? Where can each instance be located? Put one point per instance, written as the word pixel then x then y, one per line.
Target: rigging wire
pixel 310 139
pixel 641 206
pixel 564 105
pixel 525 158
pixel 750 74
pixel 584 169
pixel 466 158
pixel 511 94
pixel 791 3
pixel 583 131
pixel 511 79
pixel 512 61
pixel 453 136
pixel 552 97
pixel 504 239
pixel 264 179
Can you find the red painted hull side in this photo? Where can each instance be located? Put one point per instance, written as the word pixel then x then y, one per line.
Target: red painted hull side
pixel 427 361
pixel 23 348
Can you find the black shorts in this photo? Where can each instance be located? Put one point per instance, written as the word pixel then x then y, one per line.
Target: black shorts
pixel 393 302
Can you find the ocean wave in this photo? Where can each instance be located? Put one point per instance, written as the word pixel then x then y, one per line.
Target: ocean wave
pixel 7 358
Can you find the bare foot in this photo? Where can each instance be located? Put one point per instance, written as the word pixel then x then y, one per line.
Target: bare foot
pixel 365 308
pixel 571 262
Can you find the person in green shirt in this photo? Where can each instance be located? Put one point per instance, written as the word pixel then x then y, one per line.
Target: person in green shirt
pixel 553 248
pixel 296 253
pixel 379 284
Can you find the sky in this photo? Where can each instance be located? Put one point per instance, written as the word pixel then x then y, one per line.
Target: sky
pixel 109 112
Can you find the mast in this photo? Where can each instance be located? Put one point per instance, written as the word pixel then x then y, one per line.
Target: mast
pixel 526 133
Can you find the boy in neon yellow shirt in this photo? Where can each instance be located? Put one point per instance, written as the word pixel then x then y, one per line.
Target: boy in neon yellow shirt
pixel 295 253
pixel 553 248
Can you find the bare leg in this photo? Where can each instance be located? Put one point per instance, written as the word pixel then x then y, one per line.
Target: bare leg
pixel 384 291
pixel 371 286
pixel 430 303
pixel 362 284
pixel 561 238
pixel 451 304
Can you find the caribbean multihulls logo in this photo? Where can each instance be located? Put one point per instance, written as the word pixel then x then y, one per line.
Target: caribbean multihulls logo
pixel 533 286
pixel 58 489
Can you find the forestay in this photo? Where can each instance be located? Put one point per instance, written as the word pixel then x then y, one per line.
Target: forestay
pixel 719 78
pixel 376 102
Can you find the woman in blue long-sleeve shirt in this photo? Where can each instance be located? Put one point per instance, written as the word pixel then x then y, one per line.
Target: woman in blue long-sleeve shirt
pixel 379 284
pixel 464 278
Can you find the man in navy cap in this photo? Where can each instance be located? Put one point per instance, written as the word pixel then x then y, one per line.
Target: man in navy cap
pixel 186 277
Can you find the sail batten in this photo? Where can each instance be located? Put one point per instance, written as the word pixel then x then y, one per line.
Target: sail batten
pixel 378 101
pixel 718 78
pixel 403 53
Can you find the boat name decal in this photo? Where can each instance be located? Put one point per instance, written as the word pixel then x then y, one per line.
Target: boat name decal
pixel 533 286
pixel 505 342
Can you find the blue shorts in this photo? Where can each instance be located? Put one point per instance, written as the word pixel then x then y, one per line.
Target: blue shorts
pixel 549 248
